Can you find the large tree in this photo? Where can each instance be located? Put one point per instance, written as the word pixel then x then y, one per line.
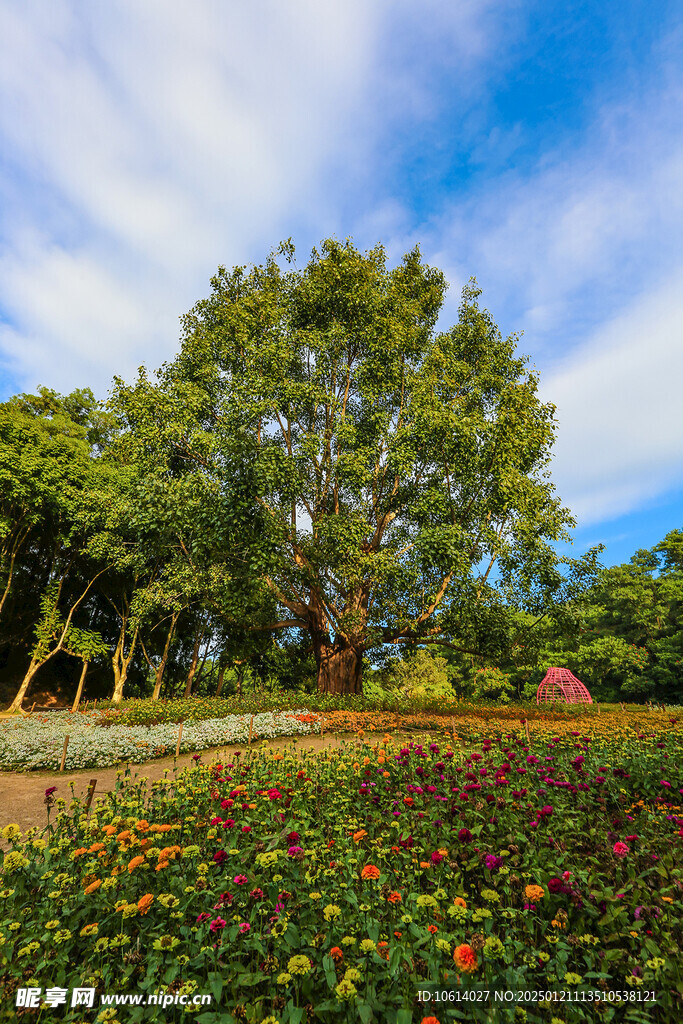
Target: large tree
pixel 375 480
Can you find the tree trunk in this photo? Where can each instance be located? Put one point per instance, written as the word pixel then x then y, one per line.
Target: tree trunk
pixel 221 675
pixel 121 662
pixel 79 691
pixel 25 683
pixel 159 674
pixel 340 668
pixel 193 666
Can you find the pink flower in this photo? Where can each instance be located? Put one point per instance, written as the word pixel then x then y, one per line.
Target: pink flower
pixel 218 924
pixel 246 828
pixel 620 849
pixel 244 928
pixel 202 918
pixel 240 879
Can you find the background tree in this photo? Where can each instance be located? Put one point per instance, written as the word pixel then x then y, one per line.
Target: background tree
pixel 377 481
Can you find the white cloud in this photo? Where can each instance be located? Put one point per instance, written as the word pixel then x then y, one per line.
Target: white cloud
pixel 620 437
pixel 148 142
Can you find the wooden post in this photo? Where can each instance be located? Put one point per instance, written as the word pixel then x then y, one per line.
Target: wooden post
pixel 526 725
pixel 251 728
pixel 79 691
pixel 32 707
pixel 66 744
pixel 598 708
pixel 94 704
pixel 180 734
pixel 91 793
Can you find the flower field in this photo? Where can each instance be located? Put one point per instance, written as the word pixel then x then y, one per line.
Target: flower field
pixel 36 741
pixel 340 886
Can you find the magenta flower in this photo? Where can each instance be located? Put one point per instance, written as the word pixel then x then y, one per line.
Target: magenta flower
pixel 240 879
pixel 436 857
pixel 50 790
pixel 218 924
pixel 620 849
pixel 202 918
pixel 465 836
pixel 244 928
pixel 293 850
pixel 220 856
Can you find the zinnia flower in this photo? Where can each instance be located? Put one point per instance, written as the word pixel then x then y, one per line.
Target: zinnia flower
pixel 465 836
pixel 145 902
pixel 135 863
pixel 240 879
pixel 465 959
pixel 217 924
pixel 620 849
pixel 370 871
pixel 534 892
pixel 93 886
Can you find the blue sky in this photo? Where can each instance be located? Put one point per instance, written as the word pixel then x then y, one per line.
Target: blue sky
pixel 535 145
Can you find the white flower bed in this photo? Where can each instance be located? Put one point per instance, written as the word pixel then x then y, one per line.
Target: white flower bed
pixel 37 742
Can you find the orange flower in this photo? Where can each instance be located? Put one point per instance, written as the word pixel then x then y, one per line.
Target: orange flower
pixel 80 852
pixel 93 886
pixel 159 828
pixel 161 864
pixel 424 864
pixel 135 863
pixel 95 847
pixel 366 760
pixel 398 934
pixel 432 928
pixel 357 836
pixel 408 801
pixel 370 871
pixel 429 1020
pixel 109 830
pixel 534 892
pixel 117 869
pixel 385 775
pixel 122 837
pixel 459 902
pixel 146 843
pixel 465 959
pixel 142 825
pixel 145 902
pixel 169 853
pixel 394 897
pixel 336 953
pixel 382 950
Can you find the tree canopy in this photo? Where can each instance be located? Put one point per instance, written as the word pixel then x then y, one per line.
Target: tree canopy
pixel 356 473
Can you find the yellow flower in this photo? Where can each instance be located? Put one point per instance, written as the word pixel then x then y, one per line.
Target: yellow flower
pixel 299 964
pixel 89 929
pixel 11 832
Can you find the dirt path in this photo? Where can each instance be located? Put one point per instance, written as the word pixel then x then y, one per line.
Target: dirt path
pixel 22 794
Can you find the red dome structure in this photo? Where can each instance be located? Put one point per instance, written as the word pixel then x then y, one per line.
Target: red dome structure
pixel 559 684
